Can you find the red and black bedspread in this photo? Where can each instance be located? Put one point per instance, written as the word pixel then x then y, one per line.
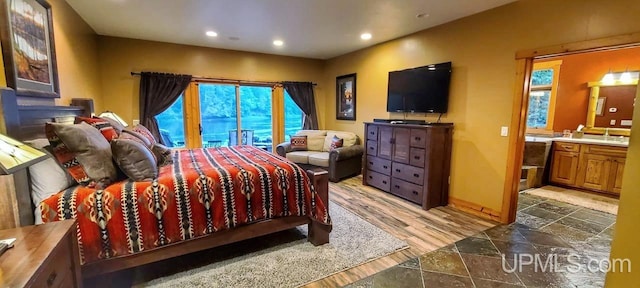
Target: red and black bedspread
pixel 203 191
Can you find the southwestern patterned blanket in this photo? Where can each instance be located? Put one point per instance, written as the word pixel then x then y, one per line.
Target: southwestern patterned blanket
pixel 203 191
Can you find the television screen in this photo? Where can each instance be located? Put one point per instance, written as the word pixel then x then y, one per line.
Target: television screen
pixel 423 89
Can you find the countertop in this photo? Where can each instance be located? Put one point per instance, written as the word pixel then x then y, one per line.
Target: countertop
pixel 612 141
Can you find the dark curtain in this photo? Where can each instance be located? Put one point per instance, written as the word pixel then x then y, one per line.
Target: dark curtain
pixel 302 95
pixel 157 92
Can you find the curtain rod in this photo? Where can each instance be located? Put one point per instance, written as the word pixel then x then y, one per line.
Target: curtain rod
pixel 226 80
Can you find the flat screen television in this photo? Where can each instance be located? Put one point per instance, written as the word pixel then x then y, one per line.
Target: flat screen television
pixel 420 90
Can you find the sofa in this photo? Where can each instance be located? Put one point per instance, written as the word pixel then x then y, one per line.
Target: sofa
pixel 342 162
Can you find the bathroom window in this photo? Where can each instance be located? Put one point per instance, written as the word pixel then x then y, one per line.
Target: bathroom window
pixel 542 95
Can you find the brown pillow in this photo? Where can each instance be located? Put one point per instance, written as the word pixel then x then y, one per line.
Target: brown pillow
pixel 336 142
pixel 145 132
pixel 298 142
pixel 163 153
pixel 102 125
pixel 84 152
pixel 135 136
pixel 134 159
pixel 115 124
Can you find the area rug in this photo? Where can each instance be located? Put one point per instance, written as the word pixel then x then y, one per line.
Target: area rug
pixel 353 241
pixel 579 198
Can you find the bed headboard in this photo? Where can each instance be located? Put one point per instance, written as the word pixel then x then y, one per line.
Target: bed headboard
pixel 26 122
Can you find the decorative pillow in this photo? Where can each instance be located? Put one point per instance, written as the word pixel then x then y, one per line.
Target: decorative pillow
pixel 134 159
pixel 336 142
pixel 348 137
pixel 115 124
pixel 84 152
pixel 47 177
pixel 135 136
pixel 104 126
pixel 163 153
pixel 298 142
pixel 146 133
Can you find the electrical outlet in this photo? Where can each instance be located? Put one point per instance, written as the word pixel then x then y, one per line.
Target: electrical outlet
pixel 136 122
pixel 612 122
pixel 504 131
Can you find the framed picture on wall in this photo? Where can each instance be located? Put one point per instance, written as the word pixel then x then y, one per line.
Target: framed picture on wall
pixel 28 49
pixel 346 97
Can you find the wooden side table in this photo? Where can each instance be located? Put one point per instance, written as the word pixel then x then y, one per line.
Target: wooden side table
pixel 42 256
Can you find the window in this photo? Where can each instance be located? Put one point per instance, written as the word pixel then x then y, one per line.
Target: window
pixel 544 86
pixel 171 124
pixel 292 117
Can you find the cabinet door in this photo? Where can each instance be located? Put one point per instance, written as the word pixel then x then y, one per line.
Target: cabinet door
pixel 385 142
pixel 594 172
pixel 402 141
pixel 615 175
pixel 564 167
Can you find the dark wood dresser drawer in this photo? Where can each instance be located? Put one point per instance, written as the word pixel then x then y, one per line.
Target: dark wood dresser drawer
pixel 378 180
pixel 406 190
pixel 416 157
pixel 408 173
pixel 372 132
pixel 56 269
pixel 379 165
pixel 372 147
pixel 418 138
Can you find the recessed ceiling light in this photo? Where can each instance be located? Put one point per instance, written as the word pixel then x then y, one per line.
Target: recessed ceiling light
pixel 365 36
pixel 278 43
pixel 422 15
pixel 211 34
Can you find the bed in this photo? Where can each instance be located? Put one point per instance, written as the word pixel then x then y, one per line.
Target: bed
pixel 206 198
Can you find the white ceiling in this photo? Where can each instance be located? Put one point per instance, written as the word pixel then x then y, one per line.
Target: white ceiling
pixel 309 28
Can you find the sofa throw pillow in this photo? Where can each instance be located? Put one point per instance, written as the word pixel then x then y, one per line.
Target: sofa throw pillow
pixel 298 142
pixel 163 153
pixel 102 125
pixel 145 132
pixel 116 125
pixel 336 142
pixel 84 152
pixel 134 159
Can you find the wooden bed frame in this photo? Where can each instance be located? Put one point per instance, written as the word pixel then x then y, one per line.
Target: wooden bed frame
pixel 27 122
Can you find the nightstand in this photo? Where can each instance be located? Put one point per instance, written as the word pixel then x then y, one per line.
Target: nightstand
pixel 42 256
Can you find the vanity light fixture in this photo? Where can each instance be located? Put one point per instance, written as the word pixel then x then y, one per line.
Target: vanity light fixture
pixel 626 77
pixel 608 78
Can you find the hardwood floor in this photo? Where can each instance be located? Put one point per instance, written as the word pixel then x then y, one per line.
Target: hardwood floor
pixel 424 231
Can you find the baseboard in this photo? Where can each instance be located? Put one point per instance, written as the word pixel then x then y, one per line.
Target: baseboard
pixel 475 209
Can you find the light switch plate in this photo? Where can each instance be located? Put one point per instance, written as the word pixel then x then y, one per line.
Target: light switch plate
pixel 504 131
pixel 136 122
pixel 612 122
pixel 625 122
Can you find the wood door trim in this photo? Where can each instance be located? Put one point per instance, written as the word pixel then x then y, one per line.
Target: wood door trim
pixel 524 59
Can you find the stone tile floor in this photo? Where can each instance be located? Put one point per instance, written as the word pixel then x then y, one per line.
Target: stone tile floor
pixel 569 237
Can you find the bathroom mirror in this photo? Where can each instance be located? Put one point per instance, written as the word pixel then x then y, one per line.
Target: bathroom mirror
pixel 611 106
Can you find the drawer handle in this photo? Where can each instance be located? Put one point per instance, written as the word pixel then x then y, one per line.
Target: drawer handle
pixel 397 186
pixel 417 138
pixel 371 148
pixel 385 166
pixel 397 170
pixel 415 192
pixel 416 157
pixel 52 278
pixel 416 175
pixel 567 147
pixel 371 132
pixel 370 177
pixel 384 182
pixel 370 163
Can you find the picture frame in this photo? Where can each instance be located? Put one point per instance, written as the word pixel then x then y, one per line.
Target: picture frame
pixel 28 48
pixel 600 106
pixel 346 97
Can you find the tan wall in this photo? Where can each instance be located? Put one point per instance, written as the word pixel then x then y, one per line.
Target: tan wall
pixel 482 48
pixel 625 240
pixel 120 56
pixel 77 55
pixel 3 79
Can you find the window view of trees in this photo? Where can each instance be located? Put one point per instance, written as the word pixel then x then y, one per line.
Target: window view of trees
pixel 219 116
pixel 539 97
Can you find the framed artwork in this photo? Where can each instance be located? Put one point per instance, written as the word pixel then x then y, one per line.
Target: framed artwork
pixel 346 97
pixel 600 106
pixel 28 49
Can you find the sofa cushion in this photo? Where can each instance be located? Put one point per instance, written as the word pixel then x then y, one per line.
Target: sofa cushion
pixel 319 159
pixel 298 142
pixel 300 157
pixel 315 139
pixel 349 139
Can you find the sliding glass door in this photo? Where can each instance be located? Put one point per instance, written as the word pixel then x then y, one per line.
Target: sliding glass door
pixel 256 121
pixel 218 113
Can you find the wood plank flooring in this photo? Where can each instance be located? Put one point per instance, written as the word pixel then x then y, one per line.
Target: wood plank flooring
pixel 424 231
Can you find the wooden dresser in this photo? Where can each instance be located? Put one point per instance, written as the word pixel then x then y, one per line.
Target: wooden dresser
pixel 588 166
pixel 409 161
pixel 42 256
